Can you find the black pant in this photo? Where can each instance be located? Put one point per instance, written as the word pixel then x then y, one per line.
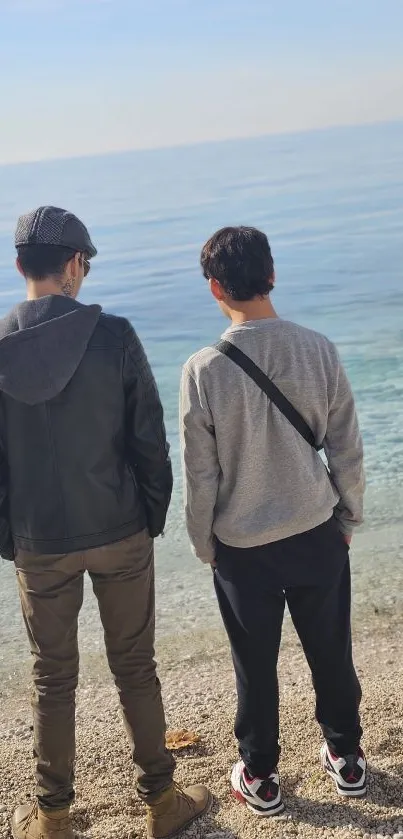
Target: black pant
pixel 311 572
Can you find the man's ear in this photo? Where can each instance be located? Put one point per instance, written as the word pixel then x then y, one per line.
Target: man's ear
pixel 19 268
pixel 73 266
pixel 216 289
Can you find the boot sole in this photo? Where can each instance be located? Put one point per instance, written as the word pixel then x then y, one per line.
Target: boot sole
pixel 13 831
pixel 16 834
pixel 184 826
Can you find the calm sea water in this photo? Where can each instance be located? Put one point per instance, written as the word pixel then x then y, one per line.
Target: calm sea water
pixel 332 205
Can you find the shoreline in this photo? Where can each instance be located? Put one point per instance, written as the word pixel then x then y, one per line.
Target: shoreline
pixel 199 694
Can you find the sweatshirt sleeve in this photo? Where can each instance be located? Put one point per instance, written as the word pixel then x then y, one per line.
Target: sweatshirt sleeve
pixel 344 452
pixel 201 468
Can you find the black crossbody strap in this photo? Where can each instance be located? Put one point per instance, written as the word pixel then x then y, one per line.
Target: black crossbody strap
pixel 270 389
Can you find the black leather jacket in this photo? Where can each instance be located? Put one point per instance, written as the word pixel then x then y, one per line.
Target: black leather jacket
pixel 83 454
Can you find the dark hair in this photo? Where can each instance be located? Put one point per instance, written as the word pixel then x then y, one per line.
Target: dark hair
pixel 41 261
pixel 240 259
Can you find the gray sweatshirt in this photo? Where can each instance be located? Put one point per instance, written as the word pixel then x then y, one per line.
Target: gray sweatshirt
pixel 250 478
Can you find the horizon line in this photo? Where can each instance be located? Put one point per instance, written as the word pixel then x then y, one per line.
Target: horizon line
pixel 199 143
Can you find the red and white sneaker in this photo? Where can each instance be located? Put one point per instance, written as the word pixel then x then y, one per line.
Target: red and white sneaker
pixel 261 795
pixel 349 773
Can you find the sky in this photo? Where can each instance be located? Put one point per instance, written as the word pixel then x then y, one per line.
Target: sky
pixel 81 77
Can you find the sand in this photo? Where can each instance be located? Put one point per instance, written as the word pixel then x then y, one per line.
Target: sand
pixel 199 694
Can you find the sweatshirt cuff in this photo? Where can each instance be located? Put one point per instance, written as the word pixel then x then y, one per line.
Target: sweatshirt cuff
pixel 206 556
pixel 346 528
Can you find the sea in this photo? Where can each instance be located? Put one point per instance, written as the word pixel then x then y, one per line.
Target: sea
pixel 331 203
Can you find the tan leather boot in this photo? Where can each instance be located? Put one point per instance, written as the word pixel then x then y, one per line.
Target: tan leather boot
pixel 30 822
pixel 175 809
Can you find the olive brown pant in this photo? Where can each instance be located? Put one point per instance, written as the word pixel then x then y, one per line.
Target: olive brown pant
pixel 51 592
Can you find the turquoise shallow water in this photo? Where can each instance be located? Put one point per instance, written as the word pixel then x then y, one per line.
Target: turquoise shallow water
pixel 332 205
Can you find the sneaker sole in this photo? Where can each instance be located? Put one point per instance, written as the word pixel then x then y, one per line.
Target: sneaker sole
pixel 261 815
pixel 350 793
pixel 347 793
pixel 188 823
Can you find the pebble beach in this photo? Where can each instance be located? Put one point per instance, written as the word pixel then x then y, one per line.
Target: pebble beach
pixel 331 203
pixel 199 695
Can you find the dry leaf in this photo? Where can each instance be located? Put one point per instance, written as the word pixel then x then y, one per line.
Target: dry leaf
pixel 181 739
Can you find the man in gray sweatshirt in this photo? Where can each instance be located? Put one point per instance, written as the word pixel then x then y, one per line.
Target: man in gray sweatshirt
pixel 264 511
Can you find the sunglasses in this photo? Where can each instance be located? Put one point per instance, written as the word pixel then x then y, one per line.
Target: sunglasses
pixel 86 264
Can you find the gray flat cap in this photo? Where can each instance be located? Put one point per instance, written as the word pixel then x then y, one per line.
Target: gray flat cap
pixel 54 226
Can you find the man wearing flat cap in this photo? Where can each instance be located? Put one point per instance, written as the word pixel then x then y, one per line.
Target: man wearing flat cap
pixel 85 485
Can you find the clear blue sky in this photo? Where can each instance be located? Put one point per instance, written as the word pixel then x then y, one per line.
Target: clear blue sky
pixel 91 76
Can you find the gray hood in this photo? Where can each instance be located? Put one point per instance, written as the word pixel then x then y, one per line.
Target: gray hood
pixel 42 342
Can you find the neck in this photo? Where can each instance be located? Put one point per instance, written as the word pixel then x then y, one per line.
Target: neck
pixel 258 309
pixel 45 288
